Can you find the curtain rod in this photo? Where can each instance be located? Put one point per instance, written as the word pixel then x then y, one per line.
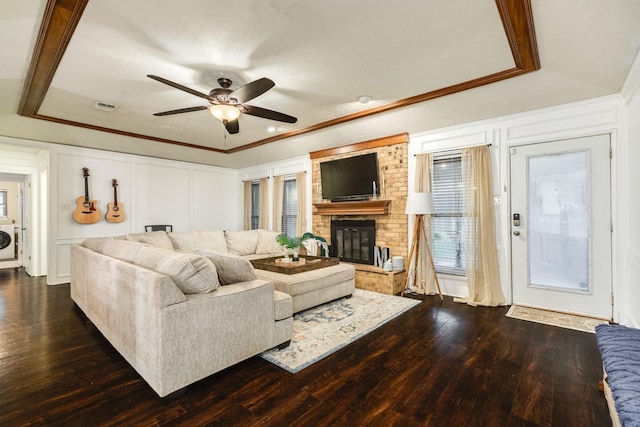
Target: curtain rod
pixel 272 176
pixel 449 150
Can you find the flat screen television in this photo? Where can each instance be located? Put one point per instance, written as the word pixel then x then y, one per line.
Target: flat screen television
pixel 351 178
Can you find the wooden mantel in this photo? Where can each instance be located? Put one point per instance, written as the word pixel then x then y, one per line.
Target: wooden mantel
pixel 364 207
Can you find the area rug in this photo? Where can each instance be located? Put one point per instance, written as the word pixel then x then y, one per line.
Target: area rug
pixel 554 318
pixel 321 331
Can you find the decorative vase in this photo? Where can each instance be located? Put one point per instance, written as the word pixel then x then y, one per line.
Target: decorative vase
pixel 293 252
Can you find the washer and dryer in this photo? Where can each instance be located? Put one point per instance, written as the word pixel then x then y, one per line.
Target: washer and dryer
pixel 7 246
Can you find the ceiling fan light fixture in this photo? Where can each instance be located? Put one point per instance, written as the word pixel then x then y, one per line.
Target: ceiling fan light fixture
pixel 224 113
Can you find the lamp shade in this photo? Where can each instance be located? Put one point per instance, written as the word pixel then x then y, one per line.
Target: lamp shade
pixel 224 113
pixel 419 204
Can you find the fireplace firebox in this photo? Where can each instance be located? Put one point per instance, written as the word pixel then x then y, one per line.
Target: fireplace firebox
pixel 353 240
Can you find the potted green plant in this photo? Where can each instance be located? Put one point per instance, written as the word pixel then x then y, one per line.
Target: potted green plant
pixel 291 245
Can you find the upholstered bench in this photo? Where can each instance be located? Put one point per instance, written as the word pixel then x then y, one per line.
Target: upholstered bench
pixel 620 350
pixel 314 287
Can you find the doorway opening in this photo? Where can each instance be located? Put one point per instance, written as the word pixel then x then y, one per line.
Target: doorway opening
pixel 11 219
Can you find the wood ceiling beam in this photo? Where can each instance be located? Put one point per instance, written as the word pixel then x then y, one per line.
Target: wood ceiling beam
pixel 517 20
pixel 61 18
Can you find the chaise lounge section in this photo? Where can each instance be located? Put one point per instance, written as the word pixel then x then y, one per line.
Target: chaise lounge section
pixel 314 287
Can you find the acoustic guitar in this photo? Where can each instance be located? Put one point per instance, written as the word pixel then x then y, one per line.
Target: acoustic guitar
pixel 114 210
pixel 86 212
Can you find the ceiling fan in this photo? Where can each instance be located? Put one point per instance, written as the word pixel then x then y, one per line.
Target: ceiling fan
pixel 226 104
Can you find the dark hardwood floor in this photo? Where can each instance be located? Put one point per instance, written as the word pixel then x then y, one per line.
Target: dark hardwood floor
pixel 439 364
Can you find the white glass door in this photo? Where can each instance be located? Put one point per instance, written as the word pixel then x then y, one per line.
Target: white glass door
pixel 561 226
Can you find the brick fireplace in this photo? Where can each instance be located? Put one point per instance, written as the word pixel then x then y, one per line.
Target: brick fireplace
pixel 387 212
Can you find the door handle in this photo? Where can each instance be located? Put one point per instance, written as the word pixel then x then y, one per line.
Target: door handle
pixel 516 233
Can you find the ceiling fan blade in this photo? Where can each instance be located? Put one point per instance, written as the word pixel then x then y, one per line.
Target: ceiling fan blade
pixel 233 126
pixel 181 110
pixel 178 86
pixel 251 90
pixel 268 114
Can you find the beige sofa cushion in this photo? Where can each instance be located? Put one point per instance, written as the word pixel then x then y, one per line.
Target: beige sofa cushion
pixel 267 243
pixel 193 274
pixel 96 244
pixel 191 241
pixel 121 249
pixel 231 268
pixel 243 242
pixel 159 239
pixel 283 305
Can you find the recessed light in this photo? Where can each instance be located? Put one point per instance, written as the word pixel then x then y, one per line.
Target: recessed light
pixel 364 99
pixel 271 129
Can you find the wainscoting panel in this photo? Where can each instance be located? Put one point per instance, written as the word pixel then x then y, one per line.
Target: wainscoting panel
pixel 561 123
pixel 152 191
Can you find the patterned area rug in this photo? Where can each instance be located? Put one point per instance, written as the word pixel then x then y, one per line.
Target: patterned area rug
pixel 322 330
pixel 553 318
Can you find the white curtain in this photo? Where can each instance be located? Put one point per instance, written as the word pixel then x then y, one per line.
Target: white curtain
pixel 425 282
pixel 301 215
pixel 247 205
pixel 263 221
pixel 481 256
pixel 278 195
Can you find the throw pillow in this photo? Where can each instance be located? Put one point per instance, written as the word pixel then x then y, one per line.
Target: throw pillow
pixel 121 249
pixel 193 274
pixel 267 243
pixel 152 235
pixel 96 244
pixel 243 242
pixel 231 268
pixel 159 239
pixel 191 241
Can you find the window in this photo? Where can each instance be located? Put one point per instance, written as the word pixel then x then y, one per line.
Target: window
pixel 255 205
pixel 290 207
pixel 4 213
pixel 448 223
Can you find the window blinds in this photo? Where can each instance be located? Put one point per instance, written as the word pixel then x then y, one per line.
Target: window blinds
pixel 289 208
pixel 447 225
pixel 255 205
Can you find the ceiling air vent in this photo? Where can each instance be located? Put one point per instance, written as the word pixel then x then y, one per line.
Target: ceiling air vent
pixel 104 106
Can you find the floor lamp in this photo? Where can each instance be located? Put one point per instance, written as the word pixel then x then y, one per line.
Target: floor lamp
pixel 420 204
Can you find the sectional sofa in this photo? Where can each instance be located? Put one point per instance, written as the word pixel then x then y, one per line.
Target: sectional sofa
pixel 182 306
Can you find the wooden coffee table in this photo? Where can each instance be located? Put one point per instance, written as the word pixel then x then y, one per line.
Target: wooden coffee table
pixel 306 263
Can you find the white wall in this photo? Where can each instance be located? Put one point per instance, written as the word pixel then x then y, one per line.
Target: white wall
pixel 630 221
pixel 593 117
pixel 151 191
